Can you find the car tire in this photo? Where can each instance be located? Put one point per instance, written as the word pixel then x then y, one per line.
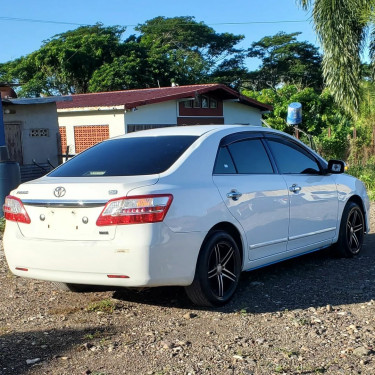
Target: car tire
pixel 217 272
pixel 77 288
pixel 352 230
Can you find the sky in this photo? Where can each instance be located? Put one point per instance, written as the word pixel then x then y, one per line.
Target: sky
pixel 26 24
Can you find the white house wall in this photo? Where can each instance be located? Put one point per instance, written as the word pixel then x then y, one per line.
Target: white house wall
pixel 36 116
pixel 113 118
pixel 237 113
pixel 159 113
pixel 165 113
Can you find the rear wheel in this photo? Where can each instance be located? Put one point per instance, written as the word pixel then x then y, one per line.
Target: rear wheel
pixel 217 273
pixel 352 229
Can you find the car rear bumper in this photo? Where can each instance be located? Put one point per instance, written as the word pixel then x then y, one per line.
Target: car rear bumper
pixel 143 254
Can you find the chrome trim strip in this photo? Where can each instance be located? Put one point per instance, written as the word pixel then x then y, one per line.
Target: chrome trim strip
pixel 312 233
pixel 274 242
pixel 64 203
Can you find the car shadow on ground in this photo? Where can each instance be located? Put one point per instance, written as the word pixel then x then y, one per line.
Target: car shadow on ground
pixel 313 280
pixel 40 347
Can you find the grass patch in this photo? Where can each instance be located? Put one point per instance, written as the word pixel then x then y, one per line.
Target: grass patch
pixel 65 310
pixel 289 353
pixel 105 306
pixel 4 330
pixel 2 225
pixel 95 335
pixel 280 369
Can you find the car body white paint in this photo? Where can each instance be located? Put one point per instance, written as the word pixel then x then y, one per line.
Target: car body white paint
pixel 60 248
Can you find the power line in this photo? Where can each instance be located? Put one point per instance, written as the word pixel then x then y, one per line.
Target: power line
pixel 40 21
pixel 17 19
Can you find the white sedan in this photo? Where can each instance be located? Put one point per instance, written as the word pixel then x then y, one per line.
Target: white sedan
pixel 191 206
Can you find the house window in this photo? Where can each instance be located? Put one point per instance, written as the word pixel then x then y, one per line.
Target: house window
pixel 213 103
pixel 135 128
pixel 197 101
pixel 205 102
pixel 87 136
pixel 39 132
pixel 188 104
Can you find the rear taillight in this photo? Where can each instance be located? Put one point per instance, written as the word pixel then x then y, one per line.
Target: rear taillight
pixel 135 210
pixel 14 210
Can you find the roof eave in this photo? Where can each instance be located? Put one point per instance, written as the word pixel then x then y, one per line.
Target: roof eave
pixel 231 93
pixel 29 101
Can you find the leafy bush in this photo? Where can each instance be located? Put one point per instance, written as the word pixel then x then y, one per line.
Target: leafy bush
pixel 366 173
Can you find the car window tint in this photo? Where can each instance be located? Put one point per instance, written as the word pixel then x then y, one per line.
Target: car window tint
pixel 293 159
pixel 126 157
pixel 250 157
pixel 224 163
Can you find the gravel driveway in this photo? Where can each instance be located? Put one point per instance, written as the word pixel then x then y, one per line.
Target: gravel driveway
pixel 310 315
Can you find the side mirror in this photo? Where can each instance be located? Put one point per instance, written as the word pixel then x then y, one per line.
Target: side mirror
pixel 336 166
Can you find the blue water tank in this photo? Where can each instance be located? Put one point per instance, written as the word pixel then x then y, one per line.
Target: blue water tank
pixel 294 113
pixel 10 178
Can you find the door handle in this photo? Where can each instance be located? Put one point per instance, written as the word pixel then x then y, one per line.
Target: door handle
pixel 295 188
pixel 234 194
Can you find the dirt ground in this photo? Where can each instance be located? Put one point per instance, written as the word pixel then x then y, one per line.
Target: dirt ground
pixel 310 315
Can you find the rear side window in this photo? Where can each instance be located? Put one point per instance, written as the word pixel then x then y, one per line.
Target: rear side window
pixel 126 157
pixel 243 157
pixel 224 163
pixel 250 157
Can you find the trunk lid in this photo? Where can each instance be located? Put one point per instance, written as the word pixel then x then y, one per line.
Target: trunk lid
pixel 67 208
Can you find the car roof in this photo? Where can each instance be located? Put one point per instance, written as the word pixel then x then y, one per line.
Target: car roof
pixel 199 130
pixel 195 130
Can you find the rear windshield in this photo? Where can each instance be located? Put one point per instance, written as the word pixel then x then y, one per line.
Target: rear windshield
pixel 126 157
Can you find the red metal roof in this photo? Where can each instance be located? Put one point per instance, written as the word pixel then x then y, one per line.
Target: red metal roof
pixel 134 98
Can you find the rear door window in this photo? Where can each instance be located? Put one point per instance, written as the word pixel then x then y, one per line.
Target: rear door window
pixel 126 157
pixel 224 163
pixel 243 157
pixel 250 157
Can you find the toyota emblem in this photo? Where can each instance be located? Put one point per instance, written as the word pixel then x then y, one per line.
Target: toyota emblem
pixel 59 192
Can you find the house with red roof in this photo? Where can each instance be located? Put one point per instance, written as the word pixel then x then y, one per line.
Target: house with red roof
pixel 90 118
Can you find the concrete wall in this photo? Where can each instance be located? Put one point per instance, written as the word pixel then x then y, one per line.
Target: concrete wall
pixel 159 113
pixel 114 118
pixel 240 114
pixel 36 116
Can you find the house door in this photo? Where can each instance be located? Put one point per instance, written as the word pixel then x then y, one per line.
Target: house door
pixel 13 139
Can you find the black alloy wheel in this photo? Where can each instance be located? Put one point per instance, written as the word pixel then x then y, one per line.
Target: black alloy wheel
pixel 218 271
pixel 352 230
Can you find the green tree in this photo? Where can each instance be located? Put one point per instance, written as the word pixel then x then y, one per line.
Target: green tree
pixel 183 50
pixel 286 61
pixel 342 27
pixel 66 62
pixel 128 71
pixel 321 117
pixel 94 58
pixel 231 72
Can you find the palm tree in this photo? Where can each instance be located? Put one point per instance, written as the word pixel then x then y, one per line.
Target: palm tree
pixel 342 27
